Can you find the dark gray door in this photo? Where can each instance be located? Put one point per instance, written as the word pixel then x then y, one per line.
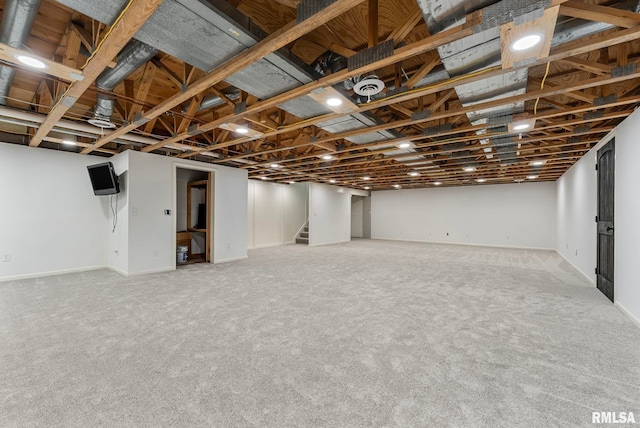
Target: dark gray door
pixel 606 181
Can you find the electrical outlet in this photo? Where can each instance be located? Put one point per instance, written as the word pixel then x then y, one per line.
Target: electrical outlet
pixel 167 212
pixel 6 257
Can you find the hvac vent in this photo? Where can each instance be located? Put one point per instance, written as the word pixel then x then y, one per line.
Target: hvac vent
pixel 369 86
pixel 101 123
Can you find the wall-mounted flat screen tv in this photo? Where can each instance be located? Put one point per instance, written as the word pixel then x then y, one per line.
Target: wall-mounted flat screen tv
pixel 103 179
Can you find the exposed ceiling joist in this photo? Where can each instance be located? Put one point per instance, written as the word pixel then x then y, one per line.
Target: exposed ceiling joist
pixel 133 17
pixel 266 46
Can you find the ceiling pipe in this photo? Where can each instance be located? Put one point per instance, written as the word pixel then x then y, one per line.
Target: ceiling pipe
pixel 17 20
pixel 35 119
pixel 129 60
pixel 26 118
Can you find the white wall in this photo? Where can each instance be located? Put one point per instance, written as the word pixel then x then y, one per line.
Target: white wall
pixel 152 184
pixel 627 217
pixel 576 212
pixel 329 214
pixel 50 220
pixel 577 208
pixel 275 212
pixel 118 238
pixel 512 215
pixel 151 237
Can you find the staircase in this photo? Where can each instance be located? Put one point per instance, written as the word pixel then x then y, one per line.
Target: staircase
pixel 303 235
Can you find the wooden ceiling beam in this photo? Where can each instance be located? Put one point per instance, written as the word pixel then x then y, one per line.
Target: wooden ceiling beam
pixel 549 91
pixel 597 13
pixel 191 111
pixel 173 76
pixel 424 69
pixel 270 44
pixel 402 31
pixel 134 16
pixel 373 22
pixel 330 46
pixel 404 52
pixel 85 36
pixel 567 50
pixel 86 39
pixel 588 66
pixel 143 89
pixel 311 167
pixel 471 131
pixel 306 166
pixel 446 96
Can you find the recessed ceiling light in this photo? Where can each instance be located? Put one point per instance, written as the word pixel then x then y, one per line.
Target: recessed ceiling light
pixel 404 145
pixel 334 102
pixel 414 173
pixel 537 163
pixel 526 42
pixel 366 178
pixel 274 165
pixel 332 181
pixel 327 157
pixel 263 178
pixel 292 182
pixel 69 143
pixel 367 187
pixel 532 177
pixel 481 180
pixel 397 186
pixel 468 169
pixel 521 127
pixel 437 183
pixel 31 61
pixel 242 130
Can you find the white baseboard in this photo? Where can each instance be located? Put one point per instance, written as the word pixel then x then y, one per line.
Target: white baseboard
pixel 464 243
pixel 50 273
pixel 279 244
pixel 231 259
pixel 587 277
pixel 329 243
pixel 118 271
pixel 147 272
pixel 625 311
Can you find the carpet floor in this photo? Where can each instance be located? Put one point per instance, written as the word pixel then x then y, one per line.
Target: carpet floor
pixel 362 334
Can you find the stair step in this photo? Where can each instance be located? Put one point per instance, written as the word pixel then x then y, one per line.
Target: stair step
pixel 306 229
pixel 302 241
pixel 304 234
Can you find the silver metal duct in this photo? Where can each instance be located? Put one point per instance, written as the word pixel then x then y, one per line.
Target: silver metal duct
pixel 129 60
pixel 483 50
pixel 17 20
pixel 211 101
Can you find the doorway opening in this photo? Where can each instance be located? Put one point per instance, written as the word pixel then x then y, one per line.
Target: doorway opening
pixel 360 217
pixel 194 216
